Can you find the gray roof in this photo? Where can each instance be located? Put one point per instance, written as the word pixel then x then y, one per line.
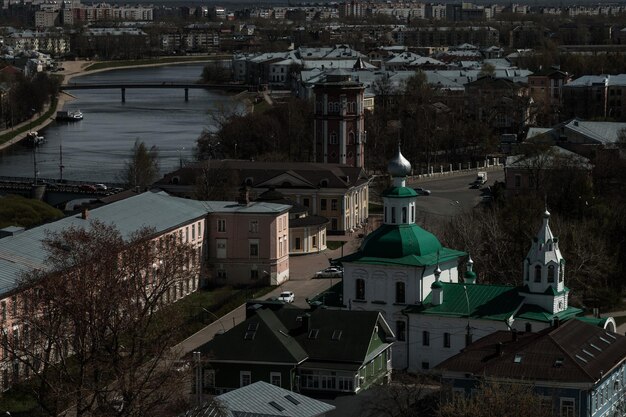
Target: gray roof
pixel 554 157
pixel 24 251
pixel 256 400
pixel 602 132
pixel 589 80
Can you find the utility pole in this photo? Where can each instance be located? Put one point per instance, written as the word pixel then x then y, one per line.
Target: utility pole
pixel 61 166
pixel 35 162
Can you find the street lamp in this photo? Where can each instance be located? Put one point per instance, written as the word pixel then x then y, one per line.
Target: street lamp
pixel 468 336
pixel 219 320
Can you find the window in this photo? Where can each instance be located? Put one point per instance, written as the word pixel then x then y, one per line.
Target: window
pixel 333 223
pixel 333 139
pixel 209 378
pixel 297 243
pixel 323 204
pixel 360 289
pixel 393 215
pixel 199 229
pixel 333 204
pixel 529 327
pixel 412 214
pixel 245 378
pixel 400 292
pixel 425 365
pixel 518 181
pixel 425 338
pixel 254 249
pixel 221 225
pixel 314 241
pixel 193 232
pixel 551 273
pixel 403 214
pixel 221 273
pixel 446 340
pixel 254 274
pixel 186 234
pixel 275 378
pixel 401 330
pixel 305 202
pixel 567 407
pixel 538 273
pixel 253 226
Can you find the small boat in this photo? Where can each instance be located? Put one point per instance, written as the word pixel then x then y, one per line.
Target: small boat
pixel 69 116
pixel 34 139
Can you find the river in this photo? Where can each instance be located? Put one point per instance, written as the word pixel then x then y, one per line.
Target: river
pixel 96 148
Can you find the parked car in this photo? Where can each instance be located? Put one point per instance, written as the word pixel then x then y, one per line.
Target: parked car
pixel 87 187
pixel 330 272
pixel 422 191
pixel 101 187
pixel 286 296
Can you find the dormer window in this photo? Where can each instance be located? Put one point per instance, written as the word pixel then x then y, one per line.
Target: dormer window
pixel 324 183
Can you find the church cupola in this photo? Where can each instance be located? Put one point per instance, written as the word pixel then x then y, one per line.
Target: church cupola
pixel 544 267
pixel 437 288
pixel 470 276
pixel 399 200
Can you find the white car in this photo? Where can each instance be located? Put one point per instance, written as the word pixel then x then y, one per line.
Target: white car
pixel 330 272
pixel 286 296
pixel 101 187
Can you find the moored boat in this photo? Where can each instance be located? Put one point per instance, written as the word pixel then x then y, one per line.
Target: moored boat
pixel 69 116
pixel 34 139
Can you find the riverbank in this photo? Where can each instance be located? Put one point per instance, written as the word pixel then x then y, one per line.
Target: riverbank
pixel 17 133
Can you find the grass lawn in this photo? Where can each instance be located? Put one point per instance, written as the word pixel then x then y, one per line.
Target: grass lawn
pixel 26 128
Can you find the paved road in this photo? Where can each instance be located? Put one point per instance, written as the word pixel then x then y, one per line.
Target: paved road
pixel 451 195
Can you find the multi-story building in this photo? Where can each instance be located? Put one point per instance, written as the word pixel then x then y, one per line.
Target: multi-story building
pixel 338 192
pixel 593 96
pixel 213 229
pixel 339 126
pixel 546 89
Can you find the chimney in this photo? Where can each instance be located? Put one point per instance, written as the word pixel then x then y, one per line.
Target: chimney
pixel 85 213
pixel 244 195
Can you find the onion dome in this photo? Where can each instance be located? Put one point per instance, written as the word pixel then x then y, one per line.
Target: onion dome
pixel 436 285
pixel 399 166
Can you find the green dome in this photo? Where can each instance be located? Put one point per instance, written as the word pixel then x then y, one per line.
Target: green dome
pixel 397 241
pixel 436 285
pixel 470 275
pixel 399 192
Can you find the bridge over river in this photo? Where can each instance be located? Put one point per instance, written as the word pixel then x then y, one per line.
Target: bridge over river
pixel 130 85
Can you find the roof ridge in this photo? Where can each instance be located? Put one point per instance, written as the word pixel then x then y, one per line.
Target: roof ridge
pixel 280 332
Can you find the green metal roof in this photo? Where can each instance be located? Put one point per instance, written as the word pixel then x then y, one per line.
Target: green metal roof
pixel 536 313
pixel 599 321
pixel 436 284
pixel 399 192
pixel 403 244
pixel 489 302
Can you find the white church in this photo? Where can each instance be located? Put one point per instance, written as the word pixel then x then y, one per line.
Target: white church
pixel 403 272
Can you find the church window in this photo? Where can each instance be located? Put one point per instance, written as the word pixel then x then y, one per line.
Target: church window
pixel 561 272
pixel 560 305
pixel 538 273
pixel 551 273
pixel 425 338
pixel 393 215
pixel 412 214
pixel 446 340
pixel 400 292
pixel 403 214
pixel 360 289
pixel 351 138
pixel 333 138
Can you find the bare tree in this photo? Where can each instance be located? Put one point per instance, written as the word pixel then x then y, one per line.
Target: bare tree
pixel 495 399
pixel 94 332
pixel 142 169
pixel 408 395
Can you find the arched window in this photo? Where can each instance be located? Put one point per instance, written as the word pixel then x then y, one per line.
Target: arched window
pixel 351 138
pixel 403 215
pixel 551 273
pixel 538 273
pixel 412 214
pixel 360 289
pixel 400 292
pixel 393 215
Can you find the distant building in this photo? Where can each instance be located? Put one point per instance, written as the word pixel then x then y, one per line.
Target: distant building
pixel 339 129
pixel 593 96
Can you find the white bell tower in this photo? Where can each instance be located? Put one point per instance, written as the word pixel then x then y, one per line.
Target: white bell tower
pixel 544 271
